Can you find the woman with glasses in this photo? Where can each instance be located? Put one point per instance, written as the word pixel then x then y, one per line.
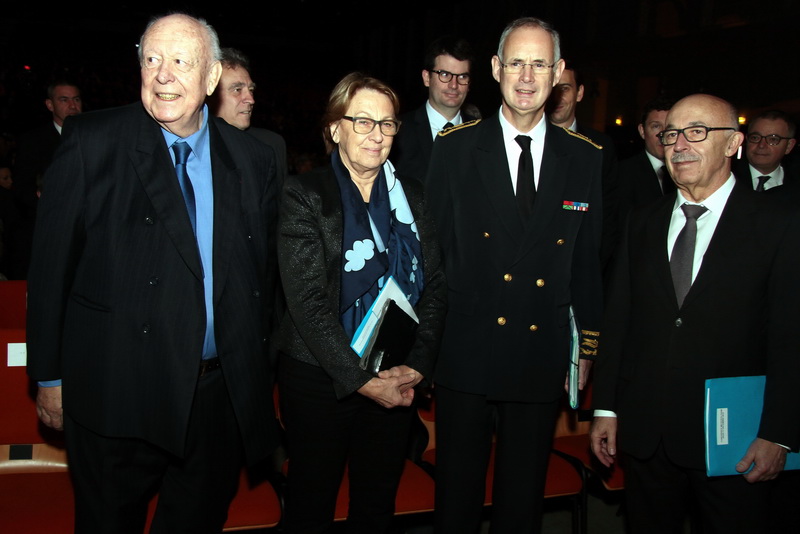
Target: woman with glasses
pixel 344 231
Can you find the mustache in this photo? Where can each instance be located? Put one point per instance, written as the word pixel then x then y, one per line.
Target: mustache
pixel 682 158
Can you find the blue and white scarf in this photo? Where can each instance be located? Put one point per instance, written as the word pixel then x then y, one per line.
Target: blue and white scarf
pixel 379 240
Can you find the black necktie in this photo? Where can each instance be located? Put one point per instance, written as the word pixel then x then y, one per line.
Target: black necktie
pixel 526 186
pixel 182 150
pixel 682 260
pixel 667 185
pixel 447 126
pixel 761 181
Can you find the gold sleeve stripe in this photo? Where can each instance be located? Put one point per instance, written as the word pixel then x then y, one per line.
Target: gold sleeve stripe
pixel 590 333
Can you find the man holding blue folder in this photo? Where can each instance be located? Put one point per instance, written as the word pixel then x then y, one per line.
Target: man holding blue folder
pixel 705 285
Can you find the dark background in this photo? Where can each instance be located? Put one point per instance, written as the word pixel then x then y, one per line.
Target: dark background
pixel 629 51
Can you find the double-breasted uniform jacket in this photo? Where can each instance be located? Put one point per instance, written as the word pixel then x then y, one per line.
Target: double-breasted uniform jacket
pixel 738 319
pixel 116 296
pixel 310 258
pixel 511 282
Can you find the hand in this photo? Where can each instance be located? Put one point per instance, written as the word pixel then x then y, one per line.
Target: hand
pixel 603 435
pixel 583 374
pixel 769 459
pixel 48 407
pixel 400 370
pixel 391 391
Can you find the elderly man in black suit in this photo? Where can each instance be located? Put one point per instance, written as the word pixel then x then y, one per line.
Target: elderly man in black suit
pixel 446 75
pixel 518 208
pixel 148 295
pixel 682 310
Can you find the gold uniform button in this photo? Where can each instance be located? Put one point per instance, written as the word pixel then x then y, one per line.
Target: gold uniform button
pixel 540 282
pixel 486 234
pixel 534 328
pixel 501 321
pixel 507 277
pixel 560 242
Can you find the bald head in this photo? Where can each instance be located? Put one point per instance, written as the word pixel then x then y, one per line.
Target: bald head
pixel 700 168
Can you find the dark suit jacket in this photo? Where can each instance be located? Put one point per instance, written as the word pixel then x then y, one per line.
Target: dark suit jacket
pixel 116 306
pixel 741 169
pixel 510 284
pixel 310 258
pixel 739 318
pixel 638 183
pixel 411 150
pixel 611 192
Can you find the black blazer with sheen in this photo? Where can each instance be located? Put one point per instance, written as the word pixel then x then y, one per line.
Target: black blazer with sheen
pixel 310 259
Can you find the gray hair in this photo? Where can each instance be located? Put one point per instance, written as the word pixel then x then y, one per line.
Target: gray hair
pixel 211 35
pixel 531 22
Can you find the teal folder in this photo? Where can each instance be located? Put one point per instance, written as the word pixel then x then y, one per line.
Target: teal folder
pixel 732 416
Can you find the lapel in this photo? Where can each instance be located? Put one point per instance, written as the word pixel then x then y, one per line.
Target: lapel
pixel 492 167
pixel 423 132
pixel 655 241
pixel 156 172
pixel 227 184
pixel 649 180
pixel 732 229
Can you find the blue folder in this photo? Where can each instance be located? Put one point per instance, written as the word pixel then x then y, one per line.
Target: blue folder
pixel 732 416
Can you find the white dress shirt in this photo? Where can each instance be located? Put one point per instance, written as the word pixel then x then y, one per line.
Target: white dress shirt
pixel 513 150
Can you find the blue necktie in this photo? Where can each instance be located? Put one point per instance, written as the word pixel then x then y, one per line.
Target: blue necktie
pixel 182 150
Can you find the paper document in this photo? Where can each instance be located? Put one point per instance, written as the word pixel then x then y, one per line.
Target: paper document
pixel 367 332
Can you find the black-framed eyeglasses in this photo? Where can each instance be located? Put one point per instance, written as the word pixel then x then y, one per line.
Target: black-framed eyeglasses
pixel 364 125
pixel 446 76
pixel 771 139
pixel 693 134
pixel 537 67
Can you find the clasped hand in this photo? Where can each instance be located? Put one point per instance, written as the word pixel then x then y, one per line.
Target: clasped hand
pixel 392 387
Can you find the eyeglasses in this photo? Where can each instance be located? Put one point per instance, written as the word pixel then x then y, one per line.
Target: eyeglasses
pixel 772 139
pixel 445 77
pixel 693 134
pixel 364 125
pixel 537 67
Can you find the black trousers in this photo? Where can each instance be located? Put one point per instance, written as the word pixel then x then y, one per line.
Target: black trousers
pixel 325 434
pixel 465 425
pixel 115 478
pixel 660 496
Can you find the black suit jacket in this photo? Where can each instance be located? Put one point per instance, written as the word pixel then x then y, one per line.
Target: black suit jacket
pixel 412 147
pixel 638 183
pixel 116 306
pixel 511 282
pixel 739 318
pixel 310 258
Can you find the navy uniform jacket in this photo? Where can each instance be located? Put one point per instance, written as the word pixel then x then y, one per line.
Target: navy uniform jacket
pixel 116 306
pixel 511 282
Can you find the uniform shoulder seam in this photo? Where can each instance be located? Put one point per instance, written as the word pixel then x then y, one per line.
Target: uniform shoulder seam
pixel 459 127
pixel 581 136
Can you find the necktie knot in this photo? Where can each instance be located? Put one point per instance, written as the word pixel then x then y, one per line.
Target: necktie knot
pixel 693 211
pixel 524 142
pixel 447 126
pixel 761 181
pixel 181 150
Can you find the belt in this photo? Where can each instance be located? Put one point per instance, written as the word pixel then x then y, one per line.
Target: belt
pixel 206 366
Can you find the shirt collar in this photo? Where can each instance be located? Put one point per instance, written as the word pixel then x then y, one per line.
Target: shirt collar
pixel 537 134
pixel 437 121
pixel 198 141
pixel 715 203
pixel 654 161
